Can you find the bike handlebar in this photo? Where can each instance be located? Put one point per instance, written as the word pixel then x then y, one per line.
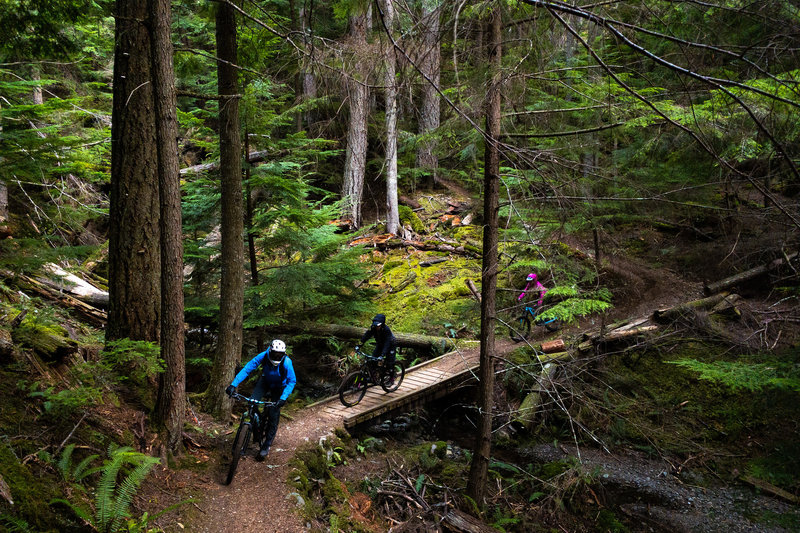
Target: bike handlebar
pixel 367 355
pixel 243 398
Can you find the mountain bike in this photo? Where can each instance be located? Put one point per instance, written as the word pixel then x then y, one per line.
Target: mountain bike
pixel 520 328
pixel 372 371
pixel 249 425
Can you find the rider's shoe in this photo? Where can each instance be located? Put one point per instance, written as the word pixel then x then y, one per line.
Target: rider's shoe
pixel 262 454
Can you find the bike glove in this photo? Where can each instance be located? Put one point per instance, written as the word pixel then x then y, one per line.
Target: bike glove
pixel 230 390
pixel 280 403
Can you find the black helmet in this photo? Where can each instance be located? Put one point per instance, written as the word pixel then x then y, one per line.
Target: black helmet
pixel 378 321
pixel 277 351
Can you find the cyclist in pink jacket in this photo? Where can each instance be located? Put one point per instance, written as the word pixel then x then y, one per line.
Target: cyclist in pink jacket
pixel 533 279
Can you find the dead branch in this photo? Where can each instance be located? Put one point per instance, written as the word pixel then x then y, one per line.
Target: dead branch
pixel 473 289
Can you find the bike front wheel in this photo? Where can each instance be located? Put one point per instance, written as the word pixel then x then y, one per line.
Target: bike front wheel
pixel 390 381
pixel 520 329
pixel 353 388
pixel 239 447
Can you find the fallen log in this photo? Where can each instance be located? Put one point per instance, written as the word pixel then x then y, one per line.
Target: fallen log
pixel 770 489
pixel 49 344
pixel 554 346
pixel 253 157
pixel 72 284
pixel 671 313
pixel 408 280
pixel 727 307
pixel 461 522
pixel 614 336
pixel 409 340
pixel 529 408
pixel 431 262
pixel 88 312
pixel 431 246
pixel 747 275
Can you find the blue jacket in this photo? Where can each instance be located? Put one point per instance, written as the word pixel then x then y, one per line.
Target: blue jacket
pixel 271 373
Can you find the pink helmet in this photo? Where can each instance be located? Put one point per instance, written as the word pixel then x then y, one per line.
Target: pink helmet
pixel 531 276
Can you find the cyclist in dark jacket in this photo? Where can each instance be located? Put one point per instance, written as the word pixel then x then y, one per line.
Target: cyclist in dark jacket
pixel 385 343
pixel 277 382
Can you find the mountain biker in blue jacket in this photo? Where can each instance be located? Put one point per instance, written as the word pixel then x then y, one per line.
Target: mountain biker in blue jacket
pixel 385 342
pixel 277 381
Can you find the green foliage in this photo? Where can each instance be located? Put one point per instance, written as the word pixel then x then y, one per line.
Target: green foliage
pixel 74 473
pixel 746 376
pixel 121 476
pixel 780 468
pixel 135 361
pixel 64 403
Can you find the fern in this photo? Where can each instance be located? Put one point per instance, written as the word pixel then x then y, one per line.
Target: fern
pixel 127 490
pixel 112 497
pixel 82 470
pixel 13 524
pixel 65 461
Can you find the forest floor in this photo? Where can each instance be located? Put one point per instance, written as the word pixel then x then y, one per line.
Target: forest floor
pixel 260 498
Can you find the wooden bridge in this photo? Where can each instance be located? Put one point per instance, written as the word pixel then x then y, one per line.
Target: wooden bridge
pixel 424 382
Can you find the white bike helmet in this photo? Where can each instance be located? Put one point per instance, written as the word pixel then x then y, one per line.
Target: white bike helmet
pixel 277 351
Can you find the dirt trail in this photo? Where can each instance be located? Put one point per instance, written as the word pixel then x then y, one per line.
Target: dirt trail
pixel 259 499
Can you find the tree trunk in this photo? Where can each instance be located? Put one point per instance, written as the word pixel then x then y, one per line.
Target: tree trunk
pixel 392 211
pixel 476 485
pixel 356 155
pixel 134 255
pixel 232 282
pixel 430 65
pixel 409 340
pixel 251 239
pixel 309 80
pixel 171 400
pixel 4 230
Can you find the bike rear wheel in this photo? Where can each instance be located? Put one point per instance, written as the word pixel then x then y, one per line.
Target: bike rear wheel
pixel 353 388
pixel 390 385
pixel 239 447
pixel 520 328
